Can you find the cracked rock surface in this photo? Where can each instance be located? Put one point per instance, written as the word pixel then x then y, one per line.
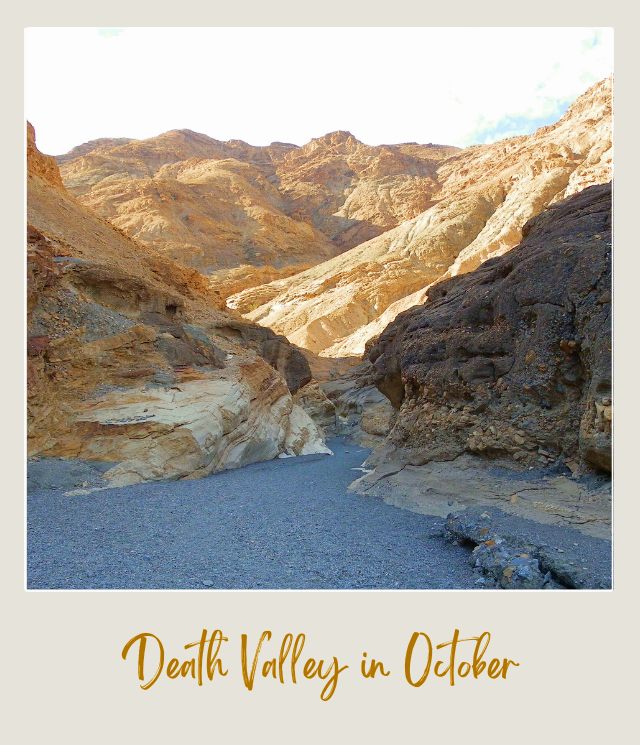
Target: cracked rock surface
pixel 517 554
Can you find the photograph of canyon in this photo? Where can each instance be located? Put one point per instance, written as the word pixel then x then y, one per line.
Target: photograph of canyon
pixel 319 308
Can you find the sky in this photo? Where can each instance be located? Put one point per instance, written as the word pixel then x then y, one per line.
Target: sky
pixel 453 86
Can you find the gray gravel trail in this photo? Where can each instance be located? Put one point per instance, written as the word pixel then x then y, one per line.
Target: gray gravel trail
pixel 286 523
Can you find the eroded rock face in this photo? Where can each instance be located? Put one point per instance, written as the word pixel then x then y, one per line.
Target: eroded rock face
pixel 42 166
pixel 201 424
pixel 274 349
pixel 482 199
pixel 352 192
pixel 361 411
pixel 227 282
pixel 318 406
pixel 132 365
pixel 513 360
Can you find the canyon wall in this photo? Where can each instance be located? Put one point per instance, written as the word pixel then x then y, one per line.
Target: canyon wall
pixel 132 361
pixel 511 361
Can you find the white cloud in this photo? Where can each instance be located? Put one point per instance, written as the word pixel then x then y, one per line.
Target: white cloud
pixel 263 84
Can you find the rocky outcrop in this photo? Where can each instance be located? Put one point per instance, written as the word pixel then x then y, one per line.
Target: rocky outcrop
pixel 516 554
pixel 362 412
pixel 276 350
pixel 133 365
pixel 318 406
pixel 40 165
pixel 481 199
pixel 512 361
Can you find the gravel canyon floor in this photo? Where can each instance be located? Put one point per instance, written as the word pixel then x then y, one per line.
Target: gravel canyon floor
pixel 287 523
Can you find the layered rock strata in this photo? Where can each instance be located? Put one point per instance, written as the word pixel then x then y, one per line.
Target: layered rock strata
pixel 130 361
pixel 482 198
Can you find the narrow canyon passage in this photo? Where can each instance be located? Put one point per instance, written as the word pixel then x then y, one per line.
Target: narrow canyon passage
pixel 165 327
pixel 286 523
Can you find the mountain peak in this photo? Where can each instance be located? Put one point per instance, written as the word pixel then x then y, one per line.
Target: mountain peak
pixel 339 137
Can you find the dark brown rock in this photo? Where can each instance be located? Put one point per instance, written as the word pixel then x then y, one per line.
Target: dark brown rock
pixel 283 356
pixel 512 360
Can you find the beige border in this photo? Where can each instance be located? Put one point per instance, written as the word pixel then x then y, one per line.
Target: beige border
pixel 64 676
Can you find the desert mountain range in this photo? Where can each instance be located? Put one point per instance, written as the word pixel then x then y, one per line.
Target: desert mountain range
pixel 216 205
pixel 180 286
pixel 328 242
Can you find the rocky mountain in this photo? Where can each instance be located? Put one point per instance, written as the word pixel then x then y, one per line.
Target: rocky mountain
pixel 209 205
pixel 219 205
pixel 164 378
pixel 133 367
pixel 479 199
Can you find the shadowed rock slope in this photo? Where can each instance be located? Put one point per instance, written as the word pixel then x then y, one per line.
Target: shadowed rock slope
pixel 512 361
pixel 131 361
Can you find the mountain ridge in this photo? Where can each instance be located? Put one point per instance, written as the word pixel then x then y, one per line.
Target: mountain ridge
pixel 313 201
pixel 344 234
pixel 484 197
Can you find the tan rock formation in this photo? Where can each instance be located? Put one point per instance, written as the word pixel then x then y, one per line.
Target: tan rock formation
pixel 362 412
pixel 352 191
pixel 226 282
pixel 215 205
pixel 42 166
pixel 130 362
pixel 209 214
pixel 483 197
pixel 318 406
